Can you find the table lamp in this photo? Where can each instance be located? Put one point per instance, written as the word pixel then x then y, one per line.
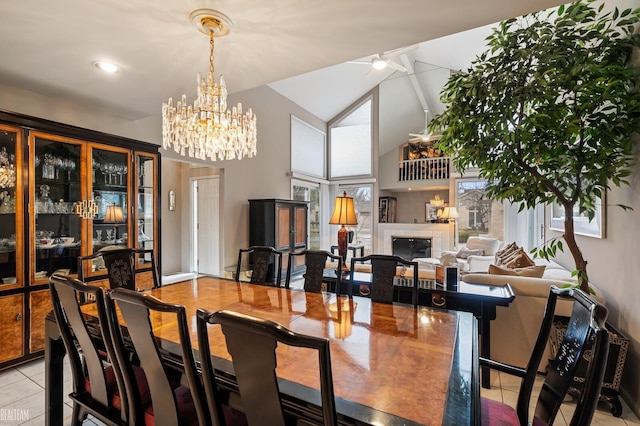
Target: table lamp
pixel 344 213
pixel 114 215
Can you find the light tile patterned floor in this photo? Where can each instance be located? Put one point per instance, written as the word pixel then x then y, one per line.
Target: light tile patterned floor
pixel 22 398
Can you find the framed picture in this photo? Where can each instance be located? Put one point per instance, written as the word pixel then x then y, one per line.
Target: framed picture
pixel 432 212
pixel 581 223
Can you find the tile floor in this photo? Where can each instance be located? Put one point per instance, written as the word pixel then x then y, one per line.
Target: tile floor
pixel 22 398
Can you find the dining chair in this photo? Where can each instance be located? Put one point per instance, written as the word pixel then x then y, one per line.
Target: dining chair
pixel 134 269
pixel 171 403
pixel 252 342
pixel 586 327
pixel 98 386
pixel 384 270
pixel 259 261
pixel 315 264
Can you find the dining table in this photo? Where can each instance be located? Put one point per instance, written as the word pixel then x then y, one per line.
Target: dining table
pixel 392 364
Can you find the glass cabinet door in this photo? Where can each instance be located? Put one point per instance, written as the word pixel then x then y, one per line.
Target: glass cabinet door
pixel 11 241
pixel 55 187
pixel 109 188
pixel 146 166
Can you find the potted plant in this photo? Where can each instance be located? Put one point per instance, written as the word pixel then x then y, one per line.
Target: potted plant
pixel 547 113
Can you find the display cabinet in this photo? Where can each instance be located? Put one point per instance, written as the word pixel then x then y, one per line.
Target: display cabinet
pixel 65 192
pixel 12 282
pixel 281 224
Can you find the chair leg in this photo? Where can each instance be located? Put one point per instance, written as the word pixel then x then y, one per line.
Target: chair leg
pixel 78 415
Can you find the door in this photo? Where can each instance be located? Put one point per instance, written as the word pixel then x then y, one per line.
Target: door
pixel 11 327
pixel 207 225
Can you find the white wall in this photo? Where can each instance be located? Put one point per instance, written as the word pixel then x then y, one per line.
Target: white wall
pixel 264 176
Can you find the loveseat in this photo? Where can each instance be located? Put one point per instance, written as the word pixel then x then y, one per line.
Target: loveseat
pixel 515 328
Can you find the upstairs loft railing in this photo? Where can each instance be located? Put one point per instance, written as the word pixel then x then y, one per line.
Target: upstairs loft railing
pixel 424 169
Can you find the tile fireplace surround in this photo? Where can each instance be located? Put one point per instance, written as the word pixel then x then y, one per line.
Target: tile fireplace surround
pixel 440 234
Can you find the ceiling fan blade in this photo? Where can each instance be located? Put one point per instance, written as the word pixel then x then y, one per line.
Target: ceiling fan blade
pixel 396 66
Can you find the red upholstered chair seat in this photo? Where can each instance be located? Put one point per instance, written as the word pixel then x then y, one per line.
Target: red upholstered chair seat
pixel 186 408
pixel 112 386
pixel 497 413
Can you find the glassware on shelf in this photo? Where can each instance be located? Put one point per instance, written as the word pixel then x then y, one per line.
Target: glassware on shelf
pixel 110 236
pixel 6 203
pixel 141 235
pixel 44 204
pixel 48 169
pixel 95 165
pixel 98 236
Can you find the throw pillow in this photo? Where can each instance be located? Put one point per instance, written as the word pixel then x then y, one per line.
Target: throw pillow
pixel 505 252
pixel 489 245
pixel 506 258
pixel 520 260
pixel 448 259
pixel 464 253
pixel 529 271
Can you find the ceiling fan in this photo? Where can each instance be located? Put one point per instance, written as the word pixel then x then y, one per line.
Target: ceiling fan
pixel 381 61
pixel 426 135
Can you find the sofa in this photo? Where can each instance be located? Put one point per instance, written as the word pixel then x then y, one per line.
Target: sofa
pixel 474 256
pixel 515 328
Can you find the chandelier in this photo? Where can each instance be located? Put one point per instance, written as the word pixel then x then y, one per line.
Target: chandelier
pixel 7 171
pixel 207 128
pixel 437 201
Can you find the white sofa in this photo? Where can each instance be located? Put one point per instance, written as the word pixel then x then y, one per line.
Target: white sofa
pixel 515 328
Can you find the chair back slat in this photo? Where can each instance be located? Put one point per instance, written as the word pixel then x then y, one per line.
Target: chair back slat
pixel 123 268
pixel 255 367
pixel 315 263
pixel 120 268
pixel 383 271
pixel 260 259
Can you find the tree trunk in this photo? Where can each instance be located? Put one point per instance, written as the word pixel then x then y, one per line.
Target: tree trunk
pixel 570 239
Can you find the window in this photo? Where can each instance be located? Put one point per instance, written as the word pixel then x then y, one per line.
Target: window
pixel 477 214
pixel 308 149
pixel 306 191
pixel 362 200
pixel 350 143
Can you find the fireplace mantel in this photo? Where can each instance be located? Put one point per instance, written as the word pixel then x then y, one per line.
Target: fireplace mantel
pixel 440 234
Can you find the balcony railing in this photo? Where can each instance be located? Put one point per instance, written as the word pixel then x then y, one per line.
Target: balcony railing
pixel 424 169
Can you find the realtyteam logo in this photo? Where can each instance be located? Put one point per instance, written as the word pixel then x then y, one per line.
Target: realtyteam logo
pixel 13 416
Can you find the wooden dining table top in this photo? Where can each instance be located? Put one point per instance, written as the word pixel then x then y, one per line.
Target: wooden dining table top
pixel 417 365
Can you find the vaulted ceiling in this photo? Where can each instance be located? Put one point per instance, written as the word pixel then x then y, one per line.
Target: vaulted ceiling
pixel 299 46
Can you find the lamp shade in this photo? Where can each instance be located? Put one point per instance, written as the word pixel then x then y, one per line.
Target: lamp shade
pixel 114 214
pixel 344 212
pixel 450 213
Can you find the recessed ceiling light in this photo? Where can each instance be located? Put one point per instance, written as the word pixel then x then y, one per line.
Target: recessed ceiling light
pixel 106 66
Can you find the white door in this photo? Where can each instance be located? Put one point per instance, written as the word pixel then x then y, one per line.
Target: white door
pixel 206 233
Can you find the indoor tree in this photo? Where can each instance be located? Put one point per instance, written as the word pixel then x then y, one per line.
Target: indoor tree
pixel 547 113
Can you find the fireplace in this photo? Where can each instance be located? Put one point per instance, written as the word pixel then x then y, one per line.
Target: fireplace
pixel 411 247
